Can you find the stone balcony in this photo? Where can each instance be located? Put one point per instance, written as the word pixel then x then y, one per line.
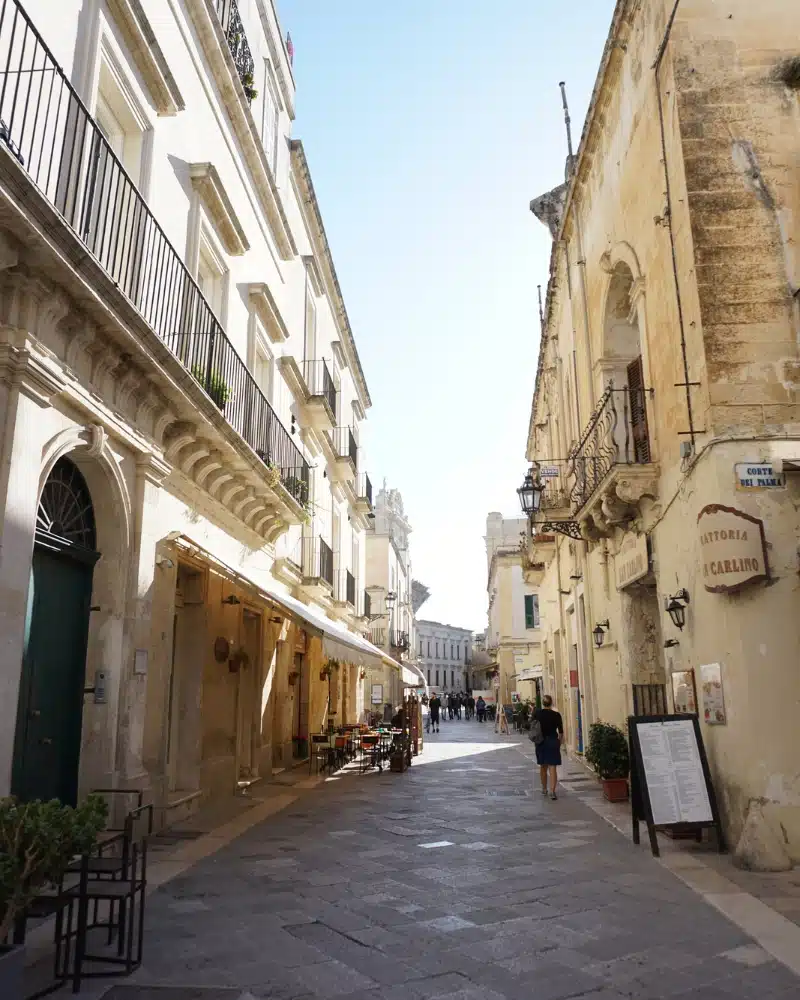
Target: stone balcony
pixel 611 471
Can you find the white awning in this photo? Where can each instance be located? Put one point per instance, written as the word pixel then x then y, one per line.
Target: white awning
pixel 337 642
pixel 414 677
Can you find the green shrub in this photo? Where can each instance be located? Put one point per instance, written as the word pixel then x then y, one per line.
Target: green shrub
pixel 607 751
pixel 217 388
pixel 37 842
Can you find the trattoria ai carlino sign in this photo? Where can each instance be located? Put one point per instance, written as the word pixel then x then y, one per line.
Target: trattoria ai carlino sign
pixel 733 549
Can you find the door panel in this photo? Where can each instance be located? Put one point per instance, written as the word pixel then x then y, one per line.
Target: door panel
pixel 48 736
pixel 638 404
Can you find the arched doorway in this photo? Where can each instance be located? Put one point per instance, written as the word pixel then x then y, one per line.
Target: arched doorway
pixel 48 732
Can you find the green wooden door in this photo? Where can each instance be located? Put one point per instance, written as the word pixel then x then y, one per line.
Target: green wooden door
pixel 48 735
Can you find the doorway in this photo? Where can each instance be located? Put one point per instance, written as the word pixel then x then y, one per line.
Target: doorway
pixel 50 708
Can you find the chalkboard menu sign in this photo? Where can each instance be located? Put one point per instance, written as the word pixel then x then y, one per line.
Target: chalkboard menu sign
pixel 670 781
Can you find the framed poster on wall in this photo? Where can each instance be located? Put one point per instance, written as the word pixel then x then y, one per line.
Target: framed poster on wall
pixel 713 696
pixel 376 697
pixel 684 693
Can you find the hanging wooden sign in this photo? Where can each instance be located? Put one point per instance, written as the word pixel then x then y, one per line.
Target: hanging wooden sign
pixel 733 549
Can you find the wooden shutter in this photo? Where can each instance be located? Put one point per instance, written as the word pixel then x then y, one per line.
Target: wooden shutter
pixel 638 404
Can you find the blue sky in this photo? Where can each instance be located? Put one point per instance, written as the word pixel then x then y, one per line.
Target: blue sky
pixel 429 125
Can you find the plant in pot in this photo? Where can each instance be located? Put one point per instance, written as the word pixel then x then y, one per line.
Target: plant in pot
pixel 214 384
pixel 37 842
pixel 607 752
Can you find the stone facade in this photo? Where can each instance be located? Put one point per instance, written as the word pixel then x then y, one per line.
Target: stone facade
pixel 445 655
pixel 669 358
pixel 513 637
pixel 177 335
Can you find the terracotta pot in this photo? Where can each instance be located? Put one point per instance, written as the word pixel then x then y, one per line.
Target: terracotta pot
pixel 12 964
pixel 615 789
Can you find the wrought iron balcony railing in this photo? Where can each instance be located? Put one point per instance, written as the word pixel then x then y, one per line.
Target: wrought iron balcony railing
pixel 317 560
pixel 616 435
pixel 346 587
pixel 364 488
pixel 49 131
pixel 239 47
pixel 320 382
pixel 345 445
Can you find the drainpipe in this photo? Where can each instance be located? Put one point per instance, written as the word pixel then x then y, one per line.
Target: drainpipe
pixel 657 68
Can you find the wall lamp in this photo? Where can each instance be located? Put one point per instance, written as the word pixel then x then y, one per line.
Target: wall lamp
pixel 231 599
pixel 599 632
pixel 675 607
pixel 671 644
pixel 530 494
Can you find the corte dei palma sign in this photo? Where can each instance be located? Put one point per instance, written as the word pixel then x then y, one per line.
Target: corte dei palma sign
pixel 733 549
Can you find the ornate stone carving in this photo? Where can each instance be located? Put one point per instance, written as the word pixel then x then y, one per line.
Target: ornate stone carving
pixel 95 437
pixel 181 434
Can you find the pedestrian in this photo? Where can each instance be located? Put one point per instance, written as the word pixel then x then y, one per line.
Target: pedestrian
pixel 435 707
pixel 548 752
pixel 451 707
pixel 459 703
pixel 470 707
pixel 480 708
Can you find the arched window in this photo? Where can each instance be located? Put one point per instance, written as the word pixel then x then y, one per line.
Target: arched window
pixel 65 509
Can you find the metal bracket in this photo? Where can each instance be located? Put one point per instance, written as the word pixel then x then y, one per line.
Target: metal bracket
pixel 569 528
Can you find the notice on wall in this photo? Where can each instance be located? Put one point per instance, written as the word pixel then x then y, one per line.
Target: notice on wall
pixel 758 476
pixel 713 695
pixel 377 694
pixel 683 692
pixel 674 773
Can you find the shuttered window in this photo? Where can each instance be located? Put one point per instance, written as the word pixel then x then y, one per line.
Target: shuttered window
pixel 531 611
pixel 638 402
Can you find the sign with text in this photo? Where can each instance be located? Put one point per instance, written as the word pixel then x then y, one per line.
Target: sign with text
pixel 631 562
pixel 758 476
pixel 670 780
pixel 377 694
pixel 549 472
pixel 733 549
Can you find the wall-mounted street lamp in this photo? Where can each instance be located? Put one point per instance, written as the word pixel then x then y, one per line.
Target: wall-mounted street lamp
pixel 599 632
pixel 675 607
pixel 530 494
pixel 388 603
pixel 231 599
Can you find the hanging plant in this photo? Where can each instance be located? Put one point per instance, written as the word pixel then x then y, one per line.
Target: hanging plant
pixel 293 675
pixel 328 668
pixel 362 675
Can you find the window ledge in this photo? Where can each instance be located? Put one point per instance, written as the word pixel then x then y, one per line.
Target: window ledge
pixel 267 311
pixel 147 55
pixel 206 181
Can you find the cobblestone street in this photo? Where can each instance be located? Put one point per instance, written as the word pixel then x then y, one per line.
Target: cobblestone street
pixel 456 879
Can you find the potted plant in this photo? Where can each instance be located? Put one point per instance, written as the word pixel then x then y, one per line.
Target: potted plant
pixel 607 753
pixel 37 842
pixel 214 384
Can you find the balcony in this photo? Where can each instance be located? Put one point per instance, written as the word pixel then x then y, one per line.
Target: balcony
pixel 345 447
pixel 610 468
pixel 317 566
pixel 48 130
pixel 364 494
pixel 345 590
pixel 315 388
pixel 228 14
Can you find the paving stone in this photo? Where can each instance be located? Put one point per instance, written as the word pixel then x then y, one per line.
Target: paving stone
pixel 361 911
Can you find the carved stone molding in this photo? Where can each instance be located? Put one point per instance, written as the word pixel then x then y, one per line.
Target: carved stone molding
pixel 180 434
pixel 30 303
pixel 206 466
pixel 148 56
pixel 22 368
pixel 623 499
pixel 206 181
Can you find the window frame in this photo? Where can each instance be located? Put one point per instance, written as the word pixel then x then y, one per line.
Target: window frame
pixel 532 617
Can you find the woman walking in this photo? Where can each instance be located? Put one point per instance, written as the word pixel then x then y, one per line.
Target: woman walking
pixel 548 752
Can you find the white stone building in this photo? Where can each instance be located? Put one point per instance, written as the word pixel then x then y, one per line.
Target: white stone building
pixel 390 609
pixel 183 494
pixel 513 638
pixel 445 655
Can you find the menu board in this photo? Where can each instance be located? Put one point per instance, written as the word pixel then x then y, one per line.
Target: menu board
pixel 673 771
